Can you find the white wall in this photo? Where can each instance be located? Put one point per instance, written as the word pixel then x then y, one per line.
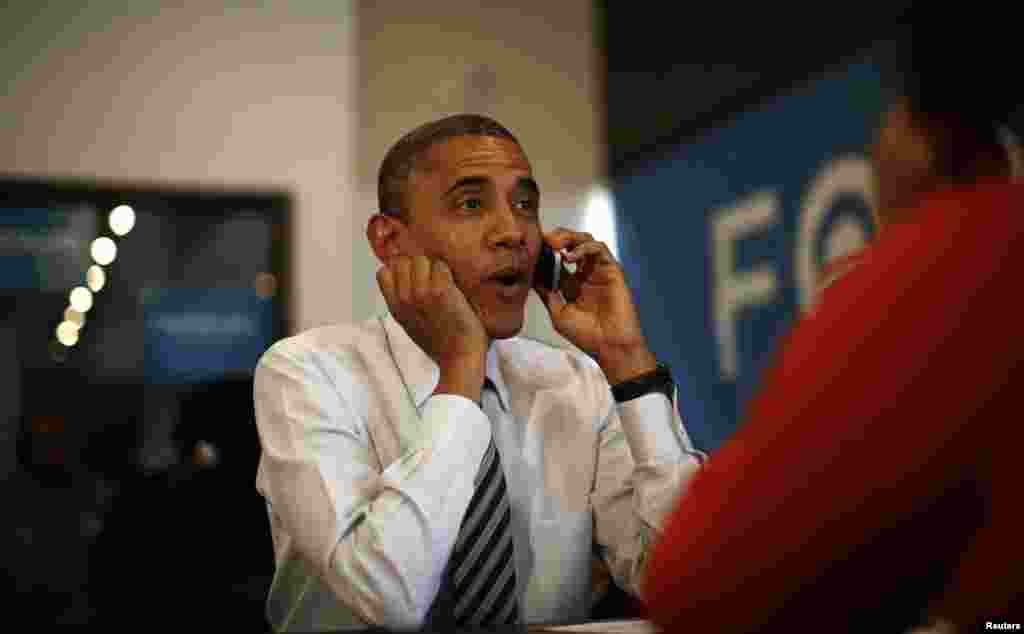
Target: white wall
pixel 531 65
pixel 298 95
pixel 249 95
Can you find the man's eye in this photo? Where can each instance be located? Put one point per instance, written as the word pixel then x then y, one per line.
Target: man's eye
pixel 471 203
pixel 527 205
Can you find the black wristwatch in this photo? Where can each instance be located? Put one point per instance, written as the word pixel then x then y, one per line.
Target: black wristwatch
pixel 658 380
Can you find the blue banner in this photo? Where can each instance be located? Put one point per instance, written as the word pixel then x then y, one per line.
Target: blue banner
pixel 722 240
pixel 45 248
pixel 202 334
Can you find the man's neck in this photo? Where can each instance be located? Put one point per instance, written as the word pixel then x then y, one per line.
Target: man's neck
pixel 978 173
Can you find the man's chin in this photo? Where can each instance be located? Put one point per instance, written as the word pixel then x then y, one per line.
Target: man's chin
pixel 505 329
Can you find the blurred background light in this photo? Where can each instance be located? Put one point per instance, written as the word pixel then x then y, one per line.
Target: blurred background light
pixel 81 299
pixel 265 285
pixel 122 219
pixel 74 317
pixel 96 278
pixel 67 333
pixel 599 218
pixel 103 250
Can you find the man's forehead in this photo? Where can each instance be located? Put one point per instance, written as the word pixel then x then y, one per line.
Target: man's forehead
pixel 459 154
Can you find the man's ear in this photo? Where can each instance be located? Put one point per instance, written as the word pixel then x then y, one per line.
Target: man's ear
pixel 921 139
pixel 1014 152
pixel 385 234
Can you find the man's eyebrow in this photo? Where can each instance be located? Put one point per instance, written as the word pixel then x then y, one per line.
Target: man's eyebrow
pixel 466 181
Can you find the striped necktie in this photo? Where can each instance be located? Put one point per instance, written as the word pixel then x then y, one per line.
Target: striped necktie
pixel 479 583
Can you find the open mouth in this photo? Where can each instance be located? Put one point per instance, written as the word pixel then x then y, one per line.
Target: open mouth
pixel 509 278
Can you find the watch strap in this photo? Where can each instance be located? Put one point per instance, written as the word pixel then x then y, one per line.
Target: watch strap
pixel 658 380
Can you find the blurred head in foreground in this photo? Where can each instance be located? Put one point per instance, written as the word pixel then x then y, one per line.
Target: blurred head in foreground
pixel 953 119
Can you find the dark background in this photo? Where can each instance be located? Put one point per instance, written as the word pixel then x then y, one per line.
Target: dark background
pixel 116 522
pixel 673 72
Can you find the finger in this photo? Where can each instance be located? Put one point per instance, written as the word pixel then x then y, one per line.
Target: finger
pixel 403 279
pixel 441 277
pixel 446 278
pixel 441 271
pixel 589 257
pixel 553 301
pixel 420 276
pixel 588 250
pixel 563 238
pixel 570 285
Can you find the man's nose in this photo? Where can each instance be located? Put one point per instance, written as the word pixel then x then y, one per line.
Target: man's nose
pixel 508 228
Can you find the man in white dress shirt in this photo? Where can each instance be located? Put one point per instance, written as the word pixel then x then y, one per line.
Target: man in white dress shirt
pixel 373 433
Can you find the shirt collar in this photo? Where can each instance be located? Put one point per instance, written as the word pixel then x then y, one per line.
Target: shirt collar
pixel 421 374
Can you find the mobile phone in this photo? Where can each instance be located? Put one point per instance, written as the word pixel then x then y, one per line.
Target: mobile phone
pixel 549 268
pixel 552 274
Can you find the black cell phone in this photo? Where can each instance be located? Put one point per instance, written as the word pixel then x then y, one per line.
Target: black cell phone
pixel 551 274
pixel 549 268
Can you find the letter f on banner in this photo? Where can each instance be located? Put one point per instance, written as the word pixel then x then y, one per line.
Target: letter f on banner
pixel 733 290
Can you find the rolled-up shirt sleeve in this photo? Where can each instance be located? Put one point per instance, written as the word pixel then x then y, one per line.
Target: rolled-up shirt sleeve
pixel 645 459
pixel 379 536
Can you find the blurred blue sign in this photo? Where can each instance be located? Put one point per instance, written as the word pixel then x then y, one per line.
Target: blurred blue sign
pixel 202 334
pixel 723 239
pixel 45 248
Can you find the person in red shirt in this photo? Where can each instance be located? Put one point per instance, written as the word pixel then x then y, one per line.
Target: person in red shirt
pixel 873 486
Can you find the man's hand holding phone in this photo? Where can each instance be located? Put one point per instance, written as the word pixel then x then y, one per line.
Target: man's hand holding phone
pixel 593 308
pixel 422 295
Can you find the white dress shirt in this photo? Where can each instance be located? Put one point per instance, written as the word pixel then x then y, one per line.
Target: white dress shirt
pixel 366 475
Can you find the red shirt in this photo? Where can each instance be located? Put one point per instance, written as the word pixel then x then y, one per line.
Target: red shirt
pixel 838 267
pixel 876 470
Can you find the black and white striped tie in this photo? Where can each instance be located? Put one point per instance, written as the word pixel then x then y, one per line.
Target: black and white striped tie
pixel 479 584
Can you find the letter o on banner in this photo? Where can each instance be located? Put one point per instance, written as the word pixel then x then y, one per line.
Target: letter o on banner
pixel 851 174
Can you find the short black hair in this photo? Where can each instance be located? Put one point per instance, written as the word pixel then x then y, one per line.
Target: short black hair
pixel 959 76
pixel 401 159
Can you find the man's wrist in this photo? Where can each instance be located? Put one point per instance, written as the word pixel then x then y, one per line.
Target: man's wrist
pixel 463 377
pixel 622 365
pixel 657 381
